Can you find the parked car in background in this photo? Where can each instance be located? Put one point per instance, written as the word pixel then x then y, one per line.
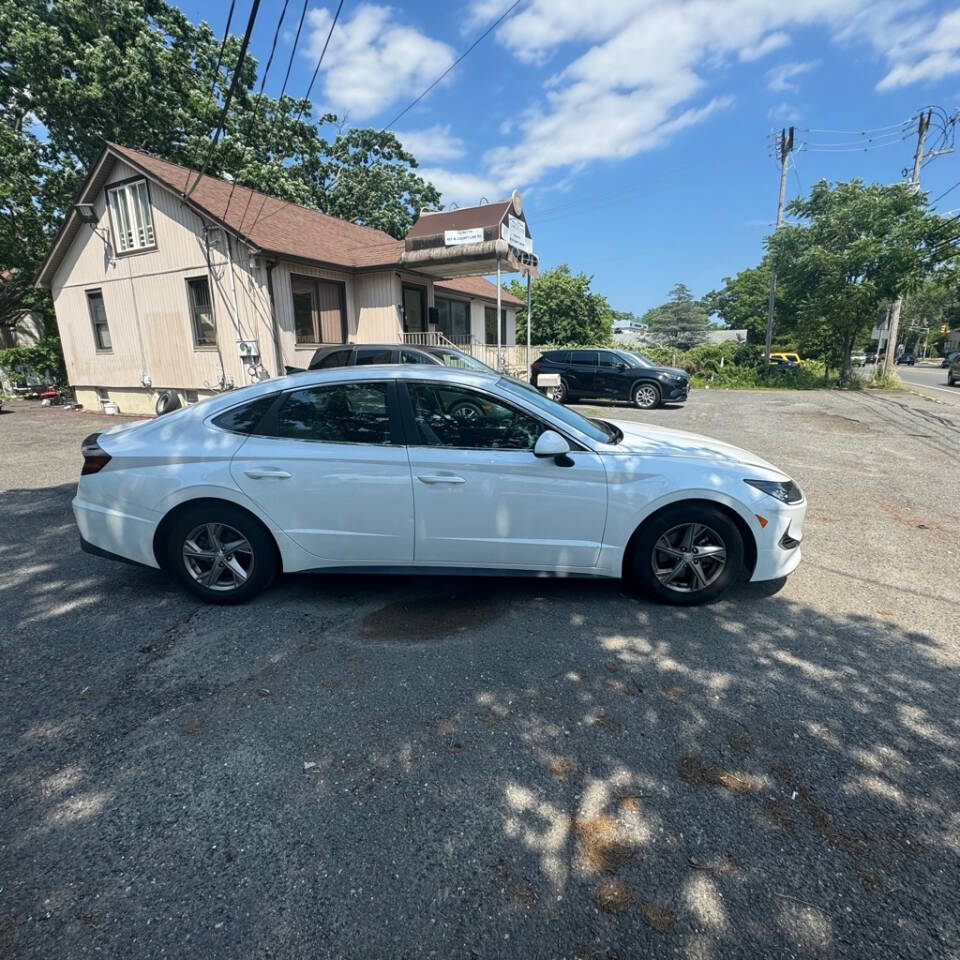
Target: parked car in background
pixel 612 375
pixel 787 357
pixel 365 354
pixel 953 372
pixel 379 469
pixel 949 359
pixel 908 359
pixel 858 359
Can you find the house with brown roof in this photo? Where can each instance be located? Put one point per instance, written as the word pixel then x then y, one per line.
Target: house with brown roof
pixel 165 282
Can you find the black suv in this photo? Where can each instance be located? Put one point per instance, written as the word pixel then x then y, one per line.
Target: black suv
pixel 612 375
pixel 360 354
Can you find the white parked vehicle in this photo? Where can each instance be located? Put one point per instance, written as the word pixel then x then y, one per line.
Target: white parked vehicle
pixel 421 468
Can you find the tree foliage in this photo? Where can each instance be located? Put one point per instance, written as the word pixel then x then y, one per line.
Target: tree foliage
pixel 565 310
pixel 681 321
pixel 74 74
pixel 857 248
pixel 743 303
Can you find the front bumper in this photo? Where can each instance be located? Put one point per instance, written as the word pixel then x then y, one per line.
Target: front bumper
pixel 675 392
pixel 779 542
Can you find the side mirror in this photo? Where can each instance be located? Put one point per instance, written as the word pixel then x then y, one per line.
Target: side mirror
pixel 551 444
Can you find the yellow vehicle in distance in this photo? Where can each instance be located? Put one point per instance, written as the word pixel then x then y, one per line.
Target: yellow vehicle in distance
pixel 785 358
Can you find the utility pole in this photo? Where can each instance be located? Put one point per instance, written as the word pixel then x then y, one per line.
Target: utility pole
pixel 888 361
pixel 784 149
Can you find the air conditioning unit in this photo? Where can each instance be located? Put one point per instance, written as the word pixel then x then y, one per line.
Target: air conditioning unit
pixel 248 349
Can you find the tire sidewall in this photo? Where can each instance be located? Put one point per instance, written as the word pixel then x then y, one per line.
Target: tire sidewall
pixel 644 406
pixel 264 551
pixel 564 392
pixel 639 566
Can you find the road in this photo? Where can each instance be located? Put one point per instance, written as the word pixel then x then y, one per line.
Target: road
pixel 931 381
pixel 484 768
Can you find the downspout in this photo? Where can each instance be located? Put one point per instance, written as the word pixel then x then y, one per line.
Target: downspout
pixel 281 369
pixel 233 286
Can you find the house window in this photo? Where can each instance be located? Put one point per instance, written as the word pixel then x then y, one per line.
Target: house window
pixel 191 396
pixel 490 325
pixel 103 394
pixel 453 318
pixel 98 318
pixel 131 219
pixel 319 310
pixel 201 308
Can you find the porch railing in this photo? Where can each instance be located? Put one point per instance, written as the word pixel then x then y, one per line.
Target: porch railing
pixel 434 338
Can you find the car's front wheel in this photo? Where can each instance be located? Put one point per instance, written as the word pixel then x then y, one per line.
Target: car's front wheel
pixel 220 553
pixel 646 396
pixel 686 555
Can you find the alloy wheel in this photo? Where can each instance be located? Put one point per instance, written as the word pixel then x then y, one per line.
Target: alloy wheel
pixel 646 396
pixel 218 557
pixel 689 557
pixel 559 392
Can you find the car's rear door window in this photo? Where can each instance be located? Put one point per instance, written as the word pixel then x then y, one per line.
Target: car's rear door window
pixel 558 356
pixel 336 358
pixel 415 356
pixel 587 358
pixel 369 356
pixel 336 413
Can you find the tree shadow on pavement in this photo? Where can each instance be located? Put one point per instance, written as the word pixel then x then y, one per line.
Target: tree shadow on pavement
pixel 462 767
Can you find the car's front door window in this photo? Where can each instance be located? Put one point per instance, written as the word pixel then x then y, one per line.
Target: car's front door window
pixel 452 416
pixel 336 413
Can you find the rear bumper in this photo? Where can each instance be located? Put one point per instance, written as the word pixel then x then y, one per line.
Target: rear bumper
pixel 109 532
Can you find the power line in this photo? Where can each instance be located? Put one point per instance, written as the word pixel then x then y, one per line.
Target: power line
pixel 216 69
pixel 493 26
pixel 233 86
pixel 259 100
pixel 945 192
pixel 852 133
pixel 323 53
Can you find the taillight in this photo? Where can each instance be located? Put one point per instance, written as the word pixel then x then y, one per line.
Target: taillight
pixel 95 458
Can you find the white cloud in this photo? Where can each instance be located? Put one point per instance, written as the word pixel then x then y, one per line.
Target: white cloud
pixel 781 77
pixel 436 144
pixel 785 113
pixel 929 53
pixel 465 189
pixel 373 60
pixel 771 42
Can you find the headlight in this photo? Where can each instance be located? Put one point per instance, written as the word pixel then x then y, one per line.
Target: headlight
pixel 785 492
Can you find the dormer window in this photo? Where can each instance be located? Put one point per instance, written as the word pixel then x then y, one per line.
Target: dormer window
pixel 131 219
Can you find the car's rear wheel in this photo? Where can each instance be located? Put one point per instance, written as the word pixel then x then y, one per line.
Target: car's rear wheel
pixel 560 392
pixel 646 396
pixel 686 555
pixel 220 553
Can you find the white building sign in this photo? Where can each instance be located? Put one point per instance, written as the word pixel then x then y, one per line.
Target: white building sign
pixel 517 235
pixel 456 238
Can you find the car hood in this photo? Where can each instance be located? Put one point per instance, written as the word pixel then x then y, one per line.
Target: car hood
pixel 650 440
pixel 673 371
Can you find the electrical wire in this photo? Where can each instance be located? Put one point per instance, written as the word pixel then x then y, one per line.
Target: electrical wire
pixel 230 91
pixel 493 26
pixel 945 192
pixel 852 133
pixel 323 53
pixel 259 100
pixel 216 69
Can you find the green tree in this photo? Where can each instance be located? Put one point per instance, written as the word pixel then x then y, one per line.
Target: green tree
pixel 857 248
pixel 74 74
pixel 565 310
pixel 681 321
pixel 934 303
pixel 743 303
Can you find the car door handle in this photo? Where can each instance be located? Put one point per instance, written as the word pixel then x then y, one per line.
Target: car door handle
pixel 267 473
pixel 441 478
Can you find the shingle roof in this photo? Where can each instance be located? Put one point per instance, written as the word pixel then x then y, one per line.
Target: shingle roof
pixel 463 218
pixel 477 287
pixel 273 225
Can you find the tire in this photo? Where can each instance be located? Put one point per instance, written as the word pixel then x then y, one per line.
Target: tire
pixel 195 545
pixel 646 396
pixel 950 381
pixel 560 394
pixel 167 402
pixel 466 411
pixel 663 544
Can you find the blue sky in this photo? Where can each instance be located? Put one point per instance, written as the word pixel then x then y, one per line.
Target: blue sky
pixel 635 129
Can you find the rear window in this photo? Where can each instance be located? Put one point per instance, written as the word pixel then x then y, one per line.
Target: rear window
pixel 373 356
pixel 336 358
pixel 246 417
pixel 557 356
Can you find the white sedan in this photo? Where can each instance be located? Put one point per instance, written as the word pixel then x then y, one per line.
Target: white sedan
pixel 433 470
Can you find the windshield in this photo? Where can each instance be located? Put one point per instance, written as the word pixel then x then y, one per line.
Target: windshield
pixel 570 417
pixel 639 360
pixel 462 361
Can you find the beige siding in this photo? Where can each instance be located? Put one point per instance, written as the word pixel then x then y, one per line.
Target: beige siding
pixel 147 304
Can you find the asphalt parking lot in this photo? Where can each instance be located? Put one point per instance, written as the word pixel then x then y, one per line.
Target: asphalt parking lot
pixel 372 768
